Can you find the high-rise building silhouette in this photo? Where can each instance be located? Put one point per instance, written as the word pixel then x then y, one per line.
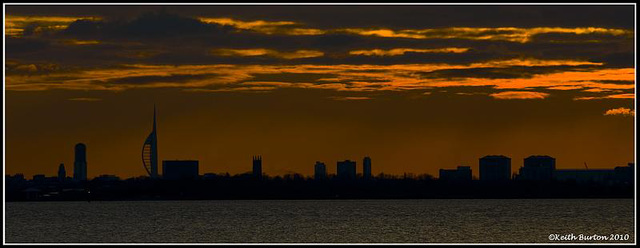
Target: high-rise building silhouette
pixel 150 150
pixel 62 173
pixel 538 168
pixel 180 169
pixel 495 168
pixel 320 171
pixel 80 162
pixel 257 166
pixel 366 168
pixel 346 169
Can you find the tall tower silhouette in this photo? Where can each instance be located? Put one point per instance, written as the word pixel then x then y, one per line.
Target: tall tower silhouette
pixel 150 150
pixel 257 166
pixel 80 162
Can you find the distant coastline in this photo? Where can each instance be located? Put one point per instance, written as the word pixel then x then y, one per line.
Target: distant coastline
pixel 294 187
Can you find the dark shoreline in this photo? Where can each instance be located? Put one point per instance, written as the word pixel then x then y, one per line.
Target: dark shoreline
pixel 298 188
pixel 320 199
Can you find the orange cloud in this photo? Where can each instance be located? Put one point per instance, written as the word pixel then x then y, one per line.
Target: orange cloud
pixel 519 95
pixel 85 99
pixel 82 42
pixel 347 98
pixel 15 25
pixel 245 24
pixel 566 87
pixel 622 96
pixel 615 96
pixel 531 62
pixel 266 27
pixel 402 51
pixel 387 33
pixel 512 34
pixel 299 54
pixel 586 79
pixel 232 89
pixel 620 111
pixel 596 90
pixel 350 78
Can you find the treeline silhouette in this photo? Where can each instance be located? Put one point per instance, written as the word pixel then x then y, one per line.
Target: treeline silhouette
pixel 295 186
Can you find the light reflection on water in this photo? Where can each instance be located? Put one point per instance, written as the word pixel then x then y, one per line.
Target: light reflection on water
pixel 317 221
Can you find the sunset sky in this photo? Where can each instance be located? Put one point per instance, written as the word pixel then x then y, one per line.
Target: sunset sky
pixel 416 88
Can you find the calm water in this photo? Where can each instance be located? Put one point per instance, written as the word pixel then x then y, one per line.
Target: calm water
pixel 324 221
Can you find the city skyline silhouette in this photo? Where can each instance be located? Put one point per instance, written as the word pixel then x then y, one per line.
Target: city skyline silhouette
pixel 150 144
pixel 492 168
pixel 397 91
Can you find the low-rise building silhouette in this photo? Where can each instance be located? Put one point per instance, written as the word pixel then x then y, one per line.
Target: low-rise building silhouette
pixel 538 168
pixel 346 169
pixel 106 178
pixel 495 168
pixel 209 176
pixel 17 177
pixel 460 174
pixel 618 175
pixel 180 169
pixel 38 178
pixel 600 176
pixel 320 171
pixel 624 174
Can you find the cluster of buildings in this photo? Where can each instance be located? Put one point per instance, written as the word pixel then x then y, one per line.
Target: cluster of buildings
pixel 539 168
pixel 493 168
pixel 172 169
pixel 188 169
pixel 346 170
pixel 79 169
